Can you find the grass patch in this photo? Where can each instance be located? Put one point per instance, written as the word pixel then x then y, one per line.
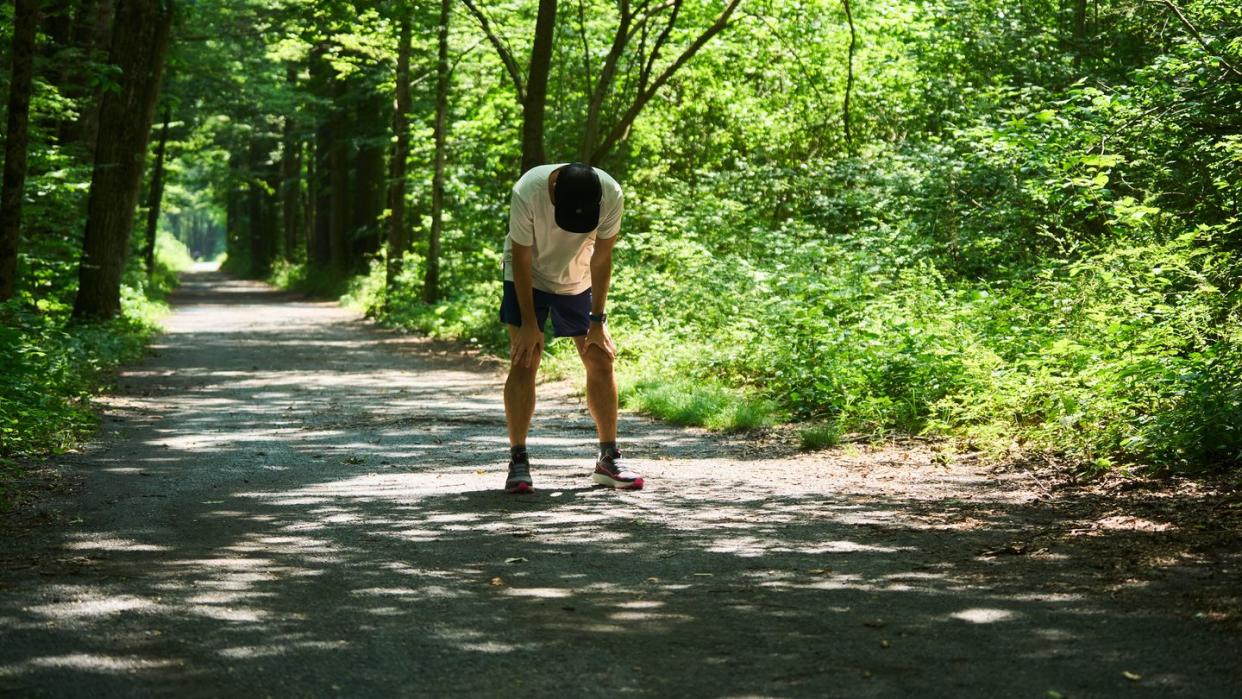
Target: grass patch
pixel 298 276
pixel 684 402
pixel 819 435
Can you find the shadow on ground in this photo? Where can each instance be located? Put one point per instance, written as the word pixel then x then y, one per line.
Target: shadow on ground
pixel 291 502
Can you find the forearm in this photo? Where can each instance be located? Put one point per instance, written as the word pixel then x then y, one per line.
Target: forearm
pixel 601 278
pixel 523 283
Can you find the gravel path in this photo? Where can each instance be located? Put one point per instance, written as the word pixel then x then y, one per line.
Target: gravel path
pixel 286 501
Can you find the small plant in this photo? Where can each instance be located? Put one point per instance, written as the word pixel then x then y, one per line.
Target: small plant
pixel 820 435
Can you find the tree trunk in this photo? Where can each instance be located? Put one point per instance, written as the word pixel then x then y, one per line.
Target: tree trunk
pixel 308 197
pixel 325 144
pixel 537 86
pixel 338 181
pixel 1080 32
pixel 431 285
pixel 290 172
pixel 15 143
pixel 849 78
pixel 100 40
pixel 139 45
pixel 233 201
pixel 398 241
pixel 155 197
pixel 368 196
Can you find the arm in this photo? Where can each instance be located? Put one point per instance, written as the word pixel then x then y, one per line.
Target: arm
pixel 601 273
pixel 528 342
pixel 601 278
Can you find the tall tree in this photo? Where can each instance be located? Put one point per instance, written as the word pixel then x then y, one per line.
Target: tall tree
pixel 532 90
pixel 96 43
pixel 291 172
pixel 322 77
pixel 431 284
pixel 155 195
pixel 139 46
pixel 536 101
pixel 397 238
pixel 635 21
pixel 16 141
pixel 849 77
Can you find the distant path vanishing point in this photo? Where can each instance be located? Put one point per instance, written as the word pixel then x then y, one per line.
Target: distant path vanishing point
pixel 287 501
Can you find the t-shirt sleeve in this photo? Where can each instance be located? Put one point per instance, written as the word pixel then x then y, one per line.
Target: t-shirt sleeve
pixel 610 217
pixel 521 220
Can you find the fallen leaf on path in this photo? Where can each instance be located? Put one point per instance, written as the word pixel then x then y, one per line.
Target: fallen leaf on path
pixel 515 559
pixel 1015 549
pixel 1132 676
pixel 497 582
pixel 884 644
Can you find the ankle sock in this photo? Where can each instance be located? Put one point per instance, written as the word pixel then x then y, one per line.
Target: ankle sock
pixel 608 449
pixel 518 453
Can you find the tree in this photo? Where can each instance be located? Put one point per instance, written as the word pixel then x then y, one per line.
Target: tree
pixel 635 20
pixel 431 284
pixel 531 91
pixel 156 196
pixel 849 76
pixel 397 237
pixel 15 143
pixel 139 46
pixel 290 171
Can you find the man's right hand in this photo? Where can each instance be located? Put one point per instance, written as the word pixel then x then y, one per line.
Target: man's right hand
pixel 527 344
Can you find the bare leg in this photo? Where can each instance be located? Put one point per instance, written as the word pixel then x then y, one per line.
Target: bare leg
pixel 601 389
pixel 520 397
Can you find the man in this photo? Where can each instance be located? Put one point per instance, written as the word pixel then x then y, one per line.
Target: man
pixel 563 223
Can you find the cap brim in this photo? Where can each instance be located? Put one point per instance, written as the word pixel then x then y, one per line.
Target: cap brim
pixel 578 219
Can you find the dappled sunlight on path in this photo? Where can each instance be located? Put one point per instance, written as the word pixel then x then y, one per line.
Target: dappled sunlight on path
pixel 288 501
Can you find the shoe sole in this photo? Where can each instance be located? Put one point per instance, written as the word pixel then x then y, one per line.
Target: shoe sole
pixel 520 489
pixel 636 484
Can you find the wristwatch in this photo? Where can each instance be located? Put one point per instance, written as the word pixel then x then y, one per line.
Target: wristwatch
pixel 598 317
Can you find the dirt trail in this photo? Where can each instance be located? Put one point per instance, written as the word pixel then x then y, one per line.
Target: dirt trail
pixel 286 501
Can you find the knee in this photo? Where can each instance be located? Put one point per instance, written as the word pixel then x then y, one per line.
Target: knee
pixel 523 374
pixel 597 361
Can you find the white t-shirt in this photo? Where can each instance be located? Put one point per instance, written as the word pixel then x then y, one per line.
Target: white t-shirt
pixel 561 261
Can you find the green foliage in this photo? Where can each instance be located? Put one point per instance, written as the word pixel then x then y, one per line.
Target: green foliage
pixel 1030 243
pixel 51 368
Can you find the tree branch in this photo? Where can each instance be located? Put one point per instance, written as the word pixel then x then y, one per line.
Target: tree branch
pixel 606 75
pixel 506 56
pixel 644 74
pixel 1199 37
pixel 622 127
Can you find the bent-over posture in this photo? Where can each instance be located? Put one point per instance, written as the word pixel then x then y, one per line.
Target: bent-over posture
pixel 563 223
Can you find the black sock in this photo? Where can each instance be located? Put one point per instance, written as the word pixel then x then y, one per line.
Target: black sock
pixel 517 454
pixel 608 449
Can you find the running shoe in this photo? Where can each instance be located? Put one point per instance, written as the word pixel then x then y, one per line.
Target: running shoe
pixel 519 480
pixel 609 471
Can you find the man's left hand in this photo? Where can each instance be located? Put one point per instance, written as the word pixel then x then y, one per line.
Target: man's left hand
pixel 598 334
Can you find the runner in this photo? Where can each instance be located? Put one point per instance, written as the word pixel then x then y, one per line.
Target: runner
pixel 563 223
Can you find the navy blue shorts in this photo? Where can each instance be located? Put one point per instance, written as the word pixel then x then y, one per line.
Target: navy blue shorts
pixel 570 313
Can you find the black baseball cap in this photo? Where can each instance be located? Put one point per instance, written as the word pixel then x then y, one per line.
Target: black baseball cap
pixel 578 196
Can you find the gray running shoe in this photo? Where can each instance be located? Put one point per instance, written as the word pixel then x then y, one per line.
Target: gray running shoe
pixel 519 480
